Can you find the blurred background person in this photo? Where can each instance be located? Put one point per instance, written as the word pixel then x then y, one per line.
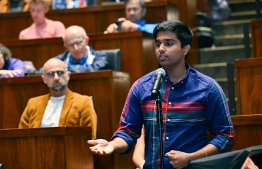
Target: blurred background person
pixel 42 27
pixel 9 67
pixel 79 57
pixel 135 11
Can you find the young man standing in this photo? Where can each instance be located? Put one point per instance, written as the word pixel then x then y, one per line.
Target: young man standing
pixel 193 105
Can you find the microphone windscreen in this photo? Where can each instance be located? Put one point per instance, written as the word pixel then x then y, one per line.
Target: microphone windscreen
pixel 161 71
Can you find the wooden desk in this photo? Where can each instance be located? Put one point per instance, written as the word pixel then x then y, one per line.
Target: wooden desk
pixel 248 131
pixel 45 148
pixel 137 50
pixel 256 37
pixel 108 88
pixel 248 85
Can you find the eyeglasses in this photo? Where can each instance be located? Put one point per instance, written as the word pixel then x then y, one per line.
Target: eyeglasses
pixel 78 44
pixel 52 73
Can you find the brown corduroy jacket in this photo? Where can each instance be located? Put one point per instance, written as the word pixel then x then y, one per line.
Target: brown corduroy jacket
pixel 78 110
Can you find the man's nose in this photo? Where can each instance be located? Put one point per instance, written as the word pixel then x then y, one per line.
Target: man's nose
pixel 75 46
pixel 161 48
pixel 132 12
pixel 56 76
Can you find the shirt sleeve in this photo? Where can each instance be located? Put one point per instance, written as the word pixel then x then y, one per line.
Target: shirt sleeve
pixel 88 116
pixel 131 120
pixel 100 61
pixel 15 64
pixel 24 120
pixel 147 28
pixel 219 119
pixel 18 65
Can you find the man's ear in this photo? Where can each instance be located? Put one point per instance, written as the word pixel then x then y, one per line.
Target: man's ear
pixel 144 12
pixel 87 40
pixel 46 9
pixel 186 49
pixel 68 73
pixel 43 77
pixel 65 46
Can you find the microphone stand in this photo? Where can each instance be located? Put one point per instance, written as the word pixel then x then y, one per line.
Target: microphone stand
pixel 159 116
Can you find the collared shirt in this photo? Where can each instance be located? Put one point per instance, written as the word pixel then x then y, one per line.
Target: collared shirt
pixel 82 61
pixel 142 26
pixel 190 109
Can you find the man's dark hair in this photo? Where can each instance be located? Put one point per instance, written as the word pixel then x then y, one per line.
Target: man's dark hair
pixel 6 52
pixel 182 31
pixel 142 3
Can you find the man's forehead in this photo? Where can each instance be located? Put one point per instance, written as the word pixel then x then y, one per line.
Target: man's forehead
pixel 133 4
pixel 166 35
pixel 54 65
pixel 73 38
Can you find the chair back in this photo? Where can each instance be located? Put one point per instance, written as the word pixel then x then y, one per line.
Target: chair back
pixel 114 59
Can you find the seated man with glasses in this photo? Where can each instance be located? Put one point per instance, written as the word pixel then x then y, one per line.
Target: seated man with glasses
pixel 79 57
pixel 61 107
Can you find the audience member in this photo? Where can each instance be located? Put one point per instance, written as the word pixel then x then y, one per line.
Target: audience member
pixel 42 27
pixel 13 6
pixel 135 11
pixel 9 67
pixel 193 105
pixel 58 4
pixel 61 107
pixel 79 57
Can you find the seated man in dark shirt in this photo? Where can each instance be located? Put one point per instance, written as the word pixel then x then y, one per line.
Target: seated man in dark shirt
pixel 79 57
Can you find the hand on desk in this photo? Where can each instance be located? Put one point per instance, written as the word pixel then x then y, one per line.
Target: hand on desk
pixel 11 73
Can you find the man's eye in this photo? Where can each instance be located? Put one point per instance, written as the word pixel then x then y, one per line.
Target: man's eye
pixel 168 44
pixel 158 44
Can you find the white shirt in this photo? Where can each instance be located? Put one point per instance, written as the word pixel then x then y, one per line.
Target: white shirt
pixel 52 112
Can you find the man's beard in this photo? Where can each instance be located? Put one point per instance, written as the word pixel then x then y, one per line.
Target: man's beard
pixel 58 88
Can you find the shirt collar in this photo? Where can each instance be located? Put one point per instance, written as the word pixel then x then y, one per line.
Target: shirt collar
pixel 82 61
pixel 182 81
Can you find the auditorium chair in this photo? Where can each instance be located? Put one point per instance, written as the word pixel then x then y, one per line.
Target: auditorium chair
pixel 114 59
pixel 229 160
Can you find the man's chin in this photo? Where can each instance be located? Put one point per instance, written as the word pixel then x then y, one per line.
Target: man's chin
pixel 58 88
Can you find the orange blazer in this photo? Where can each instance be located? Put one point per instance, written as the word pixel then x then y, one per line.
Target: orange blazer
pixel 78 110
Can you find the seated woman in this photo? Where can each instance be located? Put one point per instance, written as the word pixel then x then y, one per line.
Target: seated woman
pixel 9 67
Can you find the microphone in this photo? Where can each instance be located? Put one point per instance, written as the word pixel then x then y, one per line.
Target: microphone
pixel 160 74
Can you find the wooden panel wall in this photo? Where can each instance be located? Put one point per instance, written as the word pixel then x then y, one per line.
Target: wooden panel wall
pixel 248 131
pixel 256 37
pixel 108 88
pixel 248 85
